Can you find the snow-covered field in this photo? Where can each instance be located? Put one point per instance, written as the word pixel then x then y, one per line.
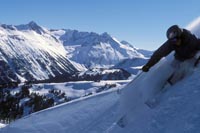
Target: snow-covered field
pixel 2 125
pixel 78 89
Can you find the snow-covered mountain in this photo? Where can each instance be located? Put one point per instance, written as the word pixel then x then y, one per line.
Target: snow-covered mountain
pixel 132 65
pixel 144 52
pixel 30 52
pixel 94 50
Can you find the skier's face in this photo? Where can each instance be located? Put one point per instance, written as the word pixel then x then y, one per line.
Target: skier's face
pixel 178 42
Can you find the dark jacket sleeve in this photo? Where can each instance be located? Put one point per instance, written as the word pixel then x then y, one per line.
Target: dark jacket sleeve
pixel 198 44
pixel 163 51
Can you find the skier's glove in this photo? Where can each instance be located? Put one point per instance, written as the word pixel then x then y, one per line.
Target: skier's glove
pixel 145 68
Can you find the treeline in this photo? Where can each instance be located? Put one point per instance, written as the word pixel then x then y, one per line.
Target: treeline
pixel 16 105
pixel 90 75
pixel 9 85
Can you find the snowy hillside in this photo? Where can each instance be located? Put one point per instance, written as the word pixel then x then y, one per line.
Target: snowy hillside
pixel 30 52
pixel 94 50
pixel 177 112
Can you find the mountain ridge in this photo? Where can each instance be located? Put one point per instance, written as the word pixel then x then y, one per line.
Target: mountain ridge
pixel 32 54
pixel 45 54
pixel 92 49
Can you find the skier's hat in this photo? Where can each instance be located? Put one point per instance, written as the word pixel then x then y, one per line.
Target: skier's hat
pixel 174 32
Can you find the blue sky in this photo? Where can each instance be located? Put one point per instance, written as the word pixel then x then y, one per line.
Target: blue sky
pixel 143 23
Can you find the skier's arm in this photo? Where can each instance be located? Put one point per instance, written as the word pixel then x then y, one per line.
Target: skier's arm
pixel 198 46
pixel 163 51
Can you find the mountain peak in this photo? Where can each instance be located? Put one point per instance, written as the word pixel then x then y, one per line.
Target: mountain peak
pixel 32 23
pixel 34 26
pixel 31 26
pixel 105 34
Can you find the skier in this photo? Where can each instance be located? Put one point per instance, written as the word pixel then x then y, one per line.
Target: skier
pixel 182 41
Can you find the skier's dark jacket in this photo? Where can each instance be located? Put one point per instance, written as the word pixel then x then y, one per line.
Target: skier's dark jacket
pixel 186 50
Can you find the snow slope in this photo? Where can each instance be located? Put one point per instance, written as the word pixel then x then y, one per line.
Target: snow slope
pixel 178 112
pixel 94 113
